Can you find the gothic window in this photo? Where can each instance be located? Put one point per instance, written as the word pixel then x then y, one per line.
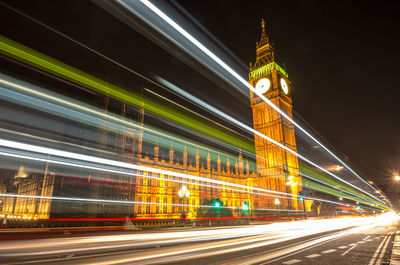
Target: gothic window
pixel 165 205
pixel 140 181
pixel 139 208
pixel 111 140
pixel 128 145
pixel 148 205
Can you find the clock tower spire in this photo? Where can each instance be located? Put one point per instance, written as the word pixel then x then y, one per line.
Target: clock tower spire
pixel 264 50
pixel 278 168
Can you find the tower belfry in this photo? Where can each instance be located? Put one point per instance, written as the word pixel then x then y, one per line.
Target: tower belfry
pixel 277 167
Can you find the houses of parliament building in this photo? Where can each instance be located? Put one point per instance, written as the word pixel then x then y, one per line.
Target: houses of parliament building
pixel 155 194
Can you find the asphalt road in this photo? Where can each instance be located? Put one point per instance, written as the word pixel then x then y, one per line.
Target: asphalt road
pixel 369 247
pixel 314 242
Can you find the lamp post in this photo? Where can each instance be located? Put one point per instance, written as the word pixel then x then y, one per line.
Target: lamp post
pixel 397 178
pixel 277 202
pixel 183 194
pixel 292 183
pixel 246 209
pixel 301 198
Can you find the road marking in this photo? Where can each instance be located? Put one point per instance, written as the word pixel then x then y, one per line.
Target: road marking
pixel 313 256
pixel 347 251
pixel 293 261
pixel 365 238
pixel 372 261
pixel 352 244
pixel 384 250
pixel 361 242
pixel 329 251
pixel 368 240
pixel 343 247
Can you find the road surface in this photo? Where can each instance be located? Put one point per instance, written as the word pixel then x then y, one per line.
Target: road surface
pixel 335 241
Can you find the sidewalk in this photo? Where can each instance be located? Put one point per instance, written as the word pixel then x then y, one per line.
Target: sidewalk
pixel 395 258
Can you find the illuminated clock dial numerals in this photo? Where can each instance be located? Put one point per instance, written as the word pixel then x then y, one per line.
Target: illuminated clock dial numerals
pixel 263 85
pixel 284 86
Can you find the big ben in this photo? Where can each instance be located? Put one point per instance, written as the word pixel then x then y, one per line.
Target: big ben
pixel 278 168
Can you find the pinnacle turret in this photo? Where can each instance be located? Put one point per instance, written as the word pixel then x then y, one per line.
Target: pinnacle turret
pixel 264 38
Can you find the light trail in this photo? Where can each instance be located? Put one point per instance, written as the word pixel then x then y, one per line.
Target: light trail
pixel 74 74
pixel 199 45
pixel 104 57
pixel 16 50
pixel 133 202
pixel 189 110
pixel 212 241
pixel 69 103
pixel 216 59
pixel 329 172
pixel 110 121
pixel 249 129
pixel 23 87
pixel 275 194
pixel 177 181
pixel 74 156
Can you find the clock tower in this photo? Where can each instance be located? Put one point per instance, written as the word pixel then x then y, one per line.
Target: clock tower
pixel 278 168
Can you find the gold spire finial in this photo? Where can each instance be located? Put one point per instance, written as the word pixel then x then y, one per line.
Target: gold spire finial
pixel 264 38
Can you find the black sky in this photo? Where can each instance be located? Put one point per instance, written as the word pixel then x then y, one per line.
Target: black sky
pixel 343 60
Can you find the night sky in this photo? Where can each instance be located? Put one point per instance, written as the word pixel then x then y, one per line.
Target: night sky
pixel 343 60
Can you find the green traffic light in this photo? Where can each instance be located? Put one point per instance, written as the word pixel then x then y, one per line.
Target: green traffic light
pixel 245 206
pixel 217 204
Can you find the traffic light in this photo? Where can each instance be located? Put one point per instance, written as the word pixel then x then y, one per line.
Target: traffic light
pixel 359 208
pixel 301 198
pixel 245 206
pixel 216 203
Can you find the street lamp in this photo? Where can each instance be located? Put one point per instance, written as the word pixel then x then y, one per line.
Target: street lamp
pixel 301 198
pixel 397 178
pixel 183 194
pixel 277 202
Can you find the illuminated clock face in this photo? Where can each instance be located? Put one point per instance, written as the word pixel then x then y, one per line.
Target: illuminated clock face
pixel 284 86
pixel 263 85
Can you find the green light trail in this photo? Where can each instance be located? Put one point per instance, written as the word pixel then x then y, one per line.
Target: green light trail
pixel 51 65
pixel 27 55
pixel 308 171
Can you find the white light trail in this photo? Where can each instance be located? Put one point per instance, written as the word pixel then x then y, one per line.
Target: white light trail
pixel 267 234
pixel 30 95
pixel 202 47
pixel 265 192
pixel 245 83
pixel 211 55
pixel 248 128
pixel 130 202
pixel 60 100
pixel 74 156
